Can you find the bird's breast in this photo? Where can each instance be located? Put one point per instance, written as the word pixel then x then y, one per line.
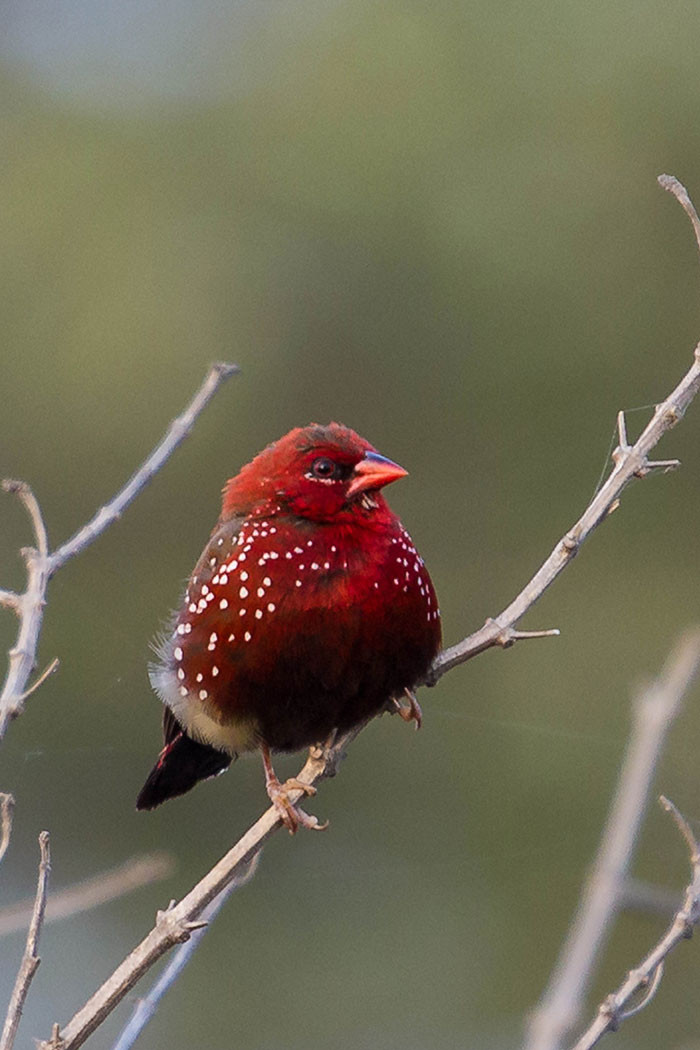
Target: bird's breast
pixel 278 615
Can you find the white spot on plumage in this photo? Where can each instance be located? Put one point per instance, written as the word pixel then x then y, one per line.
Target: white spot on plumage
pixel 181 628
pixel 223 604
pixel 258 614
pixel 203 694
pixel 205 589
pixel 298 583
pixel 243 592
pixel 267 582
pixel 232 638
pixel 183 690
pixel 247 636
pixel 180 674
pixel 214 671
pixel 200 676
pixel 192 607
pixel 314 565
pixel 271 607
pixel 188 628
pixel 244 576
pixel 177 653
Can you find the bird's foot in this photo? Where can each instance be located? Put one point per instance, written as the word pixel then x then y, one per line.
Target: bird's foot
pixel 291 815
pixel 410 712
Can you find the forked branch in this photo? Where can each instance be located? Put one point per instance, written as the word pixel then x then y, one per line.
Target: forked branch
pixel 645 979
pixel 654 710
pixel 41 564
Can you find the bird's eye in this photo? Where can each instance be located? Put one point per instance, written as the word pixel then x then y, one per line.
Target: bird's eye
pixel 325 468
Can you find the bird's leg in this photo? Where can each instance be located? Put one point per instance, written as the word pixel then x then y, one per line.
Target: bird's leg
pixel 410 712
pixel 278 794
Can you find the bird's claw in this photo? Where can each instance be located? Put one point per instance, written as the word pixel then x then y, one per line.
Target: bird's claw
pixel 291 815
pixel 410 712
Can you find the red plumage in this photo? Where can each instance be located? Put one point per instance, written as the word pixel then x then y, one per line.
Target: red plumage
pixel 309 610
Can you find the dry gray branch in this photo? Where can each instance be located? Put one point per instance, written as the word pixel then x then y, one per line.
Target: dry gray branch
pixel 645 979
pixel 630 461
pixel 41 565
pixel 90 893
pixel 7 805
pixel 30 959
pixel 146 1007
pixel 176 924
pixel 653 712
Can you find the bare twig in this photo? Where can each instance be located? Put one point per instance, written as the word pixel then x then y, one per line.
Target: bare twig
pixel 90 893
pixel 647 976
pixel 30 959
pixel 678 190
pixel 174 436
pixel 176 923
pixel 629 461
pixel 653 713
pixel 7 805
pixel 41 565
pixel 146 1007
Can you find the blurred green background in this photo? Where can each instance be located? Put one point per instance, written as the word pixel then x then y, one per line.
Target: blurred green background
pixel 439 224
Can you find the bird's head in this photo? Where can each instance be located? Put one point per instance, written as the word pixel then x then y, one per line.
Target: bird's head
pixel 322 473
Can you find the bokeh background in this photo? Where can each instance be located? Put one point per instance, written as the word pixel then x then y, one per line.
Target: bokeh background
pixel 439 224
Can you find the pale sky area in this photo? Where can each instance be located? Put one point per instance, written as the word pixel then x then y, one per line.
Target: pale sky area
pixel 126 53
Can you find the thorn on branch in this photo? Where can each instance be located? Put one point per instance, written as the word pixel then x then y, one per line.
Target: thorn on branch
pixel 507 636
pixel 46 673
pixel 676 188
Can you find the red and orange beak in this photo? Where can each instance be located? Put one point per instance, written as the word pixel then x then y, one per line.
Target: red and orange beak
pixel 373 472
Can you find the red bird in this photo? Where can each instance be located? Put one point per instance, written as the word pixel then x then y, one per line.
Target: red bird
pixel 309 611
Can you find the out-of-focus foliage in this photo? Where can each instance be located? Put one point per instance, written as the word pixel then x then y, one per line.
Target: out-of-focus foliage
pixel 439 224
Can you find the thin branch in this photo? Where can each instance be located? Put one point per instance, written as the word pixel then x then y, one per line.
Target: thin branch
pixel 174 436
pixel 41 565
pixel 653 713
pixel 30 959
pixel 629 461
pixel 7 805
pixel 92 892
pixel 146 1007
pixel 647 976
pixel 176 923
pixel 671 184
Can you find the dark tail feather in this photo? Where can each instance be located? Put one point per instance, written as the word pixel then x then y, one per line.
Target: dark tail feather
pixel 181 763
